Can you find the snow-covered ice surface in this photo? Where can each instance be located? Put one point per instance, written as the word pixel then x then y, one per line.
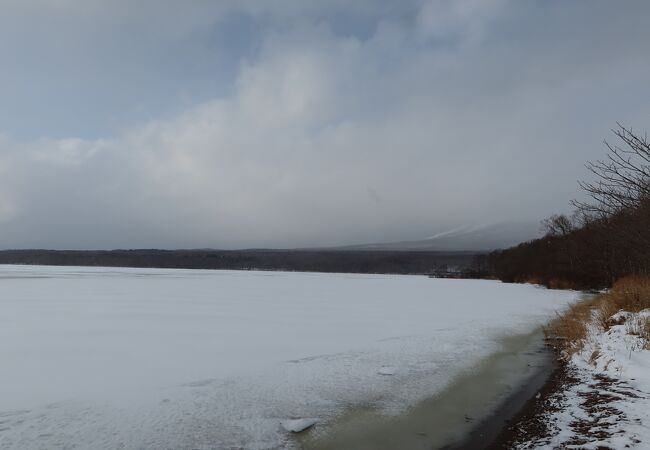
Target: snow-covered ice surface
pixel 608 404
pixel 106 358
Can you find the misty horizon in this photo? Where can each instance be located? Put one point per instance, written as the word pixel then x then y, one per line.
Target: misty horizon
pixel 473 238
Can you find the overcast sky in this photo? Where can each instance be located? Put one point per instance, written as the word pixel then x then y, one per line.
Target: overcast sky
pixel 197 123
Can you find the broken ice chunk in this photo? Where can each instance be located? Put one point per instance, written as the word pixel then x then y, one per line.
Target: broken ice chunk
pixel 298 425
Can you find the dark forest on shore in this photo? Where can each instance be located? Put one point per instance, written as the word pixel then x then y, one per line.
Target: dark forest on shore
pixel 606 238
pixel 389 262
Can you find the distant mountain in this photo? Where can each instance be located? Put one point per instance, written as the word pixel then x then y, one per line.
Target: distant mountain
pixel 465 238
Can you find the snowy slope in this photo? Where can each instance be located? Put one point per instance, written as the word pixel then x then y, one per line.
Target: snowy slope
pixel 155 359
pixel 466 238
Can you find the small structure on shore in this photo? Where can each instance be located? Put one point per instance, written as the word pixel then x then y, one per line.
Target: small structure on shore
pixel 446 271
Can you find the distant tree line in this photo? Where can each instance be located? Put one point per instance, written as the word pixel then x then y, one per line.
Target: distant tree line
pixel 390 262
pixel 607 236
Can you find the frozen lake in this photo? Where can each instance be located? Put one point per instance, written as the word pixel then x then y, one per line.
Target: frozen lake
pixel 105 358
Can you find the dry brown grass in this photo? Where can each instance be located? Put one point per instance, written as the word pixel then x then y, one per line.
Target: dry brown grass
pixel 569 330
pixel 532 280
pixel 605 310
pixel 631 294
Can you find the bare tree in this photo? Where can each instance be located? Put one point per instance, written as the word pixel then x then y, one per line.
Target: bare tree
pixel 622 180
pixel 557 225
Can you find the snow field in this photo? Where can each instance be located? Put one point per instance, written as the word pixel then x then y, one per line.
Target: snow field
pixel 105 358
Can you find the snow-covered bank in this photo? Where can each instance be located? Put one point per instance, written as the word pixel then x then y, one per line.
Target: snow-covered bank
pixel 605 401
pixel 148 358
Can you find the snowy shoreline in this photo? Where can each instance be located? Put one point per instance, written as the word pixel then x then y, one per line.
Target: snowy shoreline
pixel 599 398
pixel 494 432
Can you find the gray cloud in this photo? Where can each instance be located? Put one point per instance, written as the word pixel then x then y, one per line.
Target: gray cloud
pixel 387 124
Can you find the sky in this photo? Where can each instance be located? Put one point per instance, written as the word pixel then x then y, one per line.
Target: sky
pixel 232 124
